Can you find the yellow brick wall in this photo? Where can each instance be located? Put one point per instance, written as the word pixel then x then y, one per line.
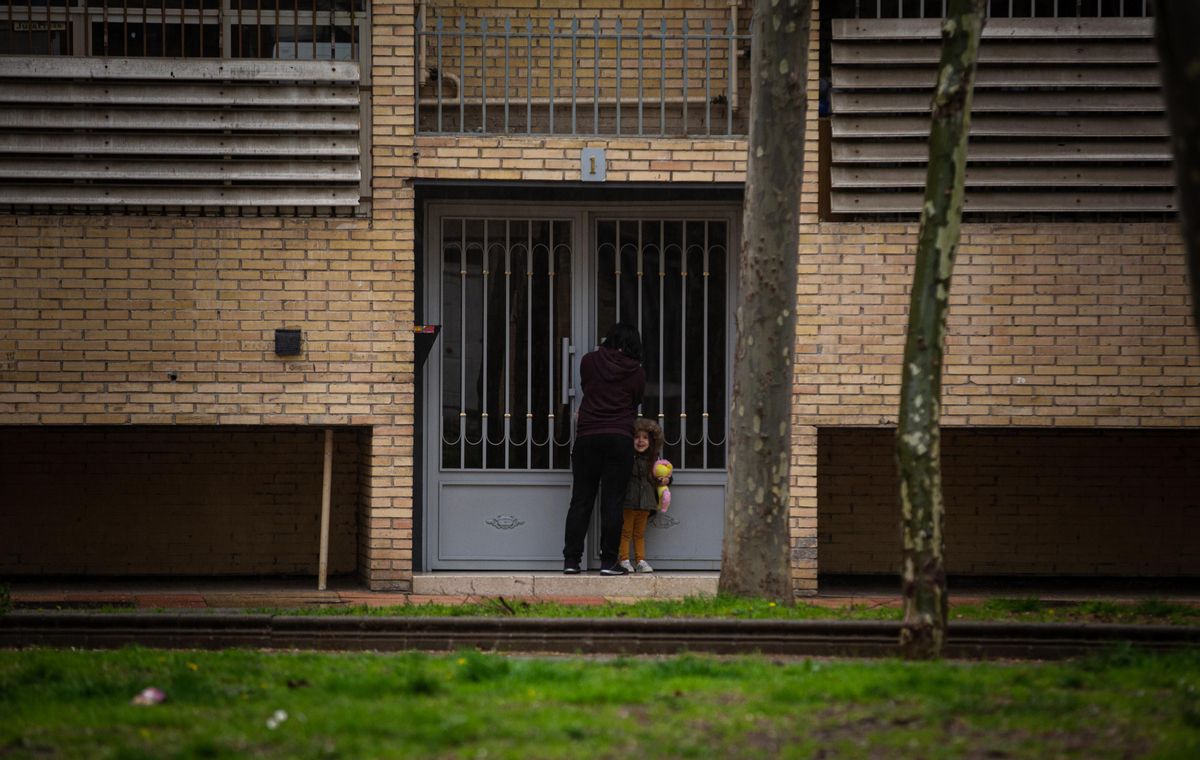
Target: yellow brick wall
pixel 1051 324
pixel 557 159
pixel 97 311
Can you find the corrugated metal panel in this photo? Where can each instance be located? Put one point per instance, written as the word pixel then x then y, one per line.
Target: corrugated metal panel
pixel 1068 117
pixel 165 133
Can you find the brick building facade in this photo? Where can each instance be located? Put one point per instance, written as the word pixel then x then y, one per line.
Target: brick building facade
pixel 150 429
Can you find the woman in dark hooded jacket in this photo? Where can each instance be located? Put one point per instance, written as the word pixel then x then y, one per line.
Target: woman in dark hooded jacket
pixel 613 382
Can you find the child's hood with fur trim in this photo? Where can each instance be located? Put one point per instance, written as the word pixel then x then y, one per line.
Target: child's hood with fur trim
pixel 650 427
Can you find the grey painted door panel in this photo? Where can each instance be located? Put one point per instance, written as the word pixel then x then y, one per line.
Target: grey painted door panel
pixel 684 536
pixel 483 525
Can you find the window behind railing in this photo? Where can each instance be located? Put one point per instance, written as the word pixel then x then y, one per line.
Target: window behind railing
pixel 263 29
pixel 183 106
pixel 865 9
pixel 595 76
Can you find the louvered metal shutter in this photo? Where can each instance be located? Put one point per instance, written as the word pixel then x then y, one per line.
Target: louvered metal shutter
pixel 116 132
pixel 1068 117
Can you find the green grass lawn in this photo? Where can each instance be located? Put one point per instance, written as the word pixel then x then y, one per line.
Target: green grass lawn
pixel 1029 610
pixel 305 705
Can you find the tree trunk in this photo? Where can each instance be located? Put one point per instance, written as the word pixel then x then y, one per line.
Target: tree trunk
pixel 1176 26
pixel 755 557
pixel 917 436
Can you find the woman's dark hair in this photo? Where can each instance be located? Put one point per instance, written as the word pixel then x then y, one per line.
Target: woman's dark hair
pixel 625 338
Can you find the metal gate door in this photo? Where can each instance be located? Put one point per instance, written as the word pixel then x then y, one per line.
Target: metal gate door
pixel 515 294
pixel 667 274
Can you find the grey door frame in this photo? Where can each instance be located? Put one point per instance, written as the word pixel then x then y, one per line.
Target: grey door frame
pixel 584 332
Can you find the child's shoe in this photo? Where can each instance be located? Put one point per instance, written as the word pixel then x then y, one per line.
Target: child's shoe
pixel 644 567
pixel 627 565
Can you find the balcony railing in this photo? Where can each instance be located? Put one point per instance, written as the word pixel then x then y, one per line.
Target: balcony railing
pixel 599 77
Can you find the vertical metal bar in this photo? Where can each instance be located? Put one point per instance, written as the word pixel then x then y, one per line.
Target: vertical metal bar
pixel 162 22
pixel 550 90
pixel 686 42
pixel 551 282
pixel 704 331
pixel 683 254
pixel 617 265
pixel 618 76
pixel 241 45
pixel 462 337
pixel 332 41
pixel 641 38
pixel 662 328
pixel 258 31
pixel 462 73
pixel 484 419
pixel 507 39
pixel 440 71
pixel 29 27
pixel 708 77
pixel 641 268
pixel 529 353
pixel 596 76
pixel 354 35
pixel 483 71
pixel 574 74
pixel 507 349
pixel 662 79
pixel 528 76
pixel 731 51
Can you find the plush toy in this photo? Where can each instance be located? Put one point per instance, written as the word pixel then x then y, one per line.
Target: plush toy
pixel 662 469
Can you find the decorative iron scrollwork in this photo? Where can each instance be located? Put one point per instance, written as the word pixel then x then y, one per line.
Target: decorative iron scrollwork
pixel 505 522
pixel 663 521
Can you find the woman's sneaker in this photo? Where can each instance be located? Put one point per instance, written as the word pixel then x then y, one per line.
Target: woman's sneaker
pixel 643 566
pixel 627 565
pixel 614 570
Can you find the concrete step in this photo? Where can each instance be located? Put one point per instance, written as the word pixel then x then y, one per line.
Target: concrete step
pixel 662 585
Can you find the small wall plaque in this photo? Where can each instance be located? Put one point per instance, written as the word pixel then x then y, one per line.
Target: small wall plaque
pixel 287 342
pixel 592 166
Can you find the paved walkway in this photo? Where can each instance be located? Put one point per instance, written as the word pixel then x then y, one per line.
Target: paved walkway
pixel 590 589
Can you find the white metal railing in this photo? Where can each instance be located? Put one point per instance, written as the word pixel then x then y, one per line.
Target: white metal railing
pixel 599 78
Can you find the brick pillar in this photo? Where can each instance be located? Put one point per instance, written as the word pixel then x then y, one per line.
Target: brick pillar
pixel 389 489
pixel 802 516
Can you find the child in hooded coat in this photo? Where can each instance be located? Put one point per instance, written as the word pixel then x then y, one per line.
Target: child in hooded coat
pixel 641 495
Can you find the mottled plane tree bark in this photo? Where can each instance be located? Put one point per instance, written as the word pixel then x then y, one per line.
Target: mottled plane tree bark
pixel 755 556
pixel 918 439
pixel 1176 31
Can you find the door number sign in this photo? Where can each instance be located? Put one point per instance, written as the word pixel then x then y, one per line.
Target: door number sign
pixel 592 165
